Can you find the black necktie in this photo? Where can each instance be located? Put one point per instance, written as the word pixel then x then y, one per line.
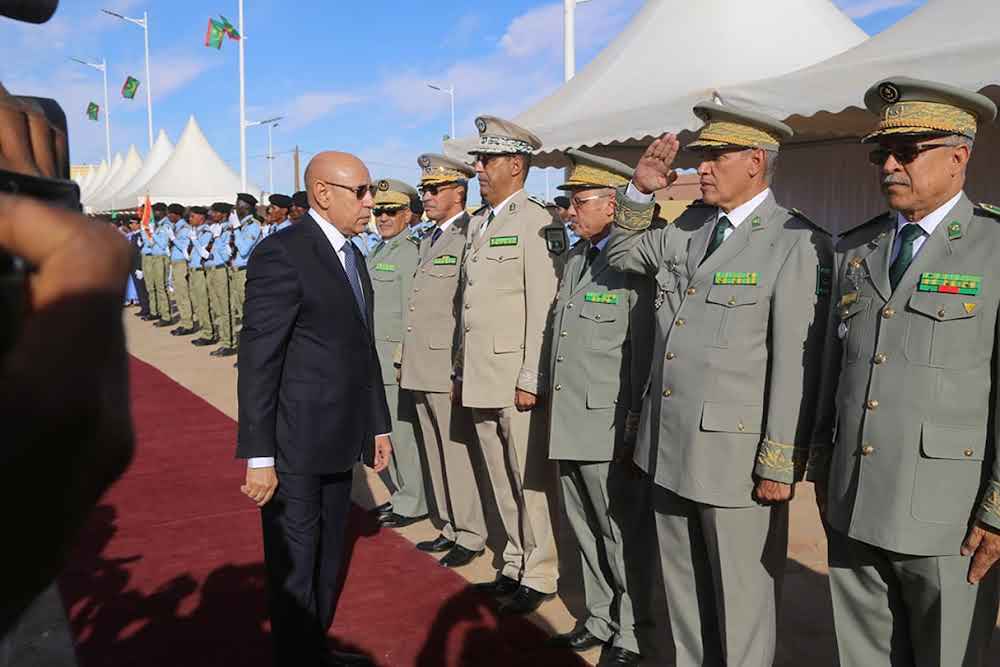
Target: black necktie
pixel 908 234
pixel 351 269
pixel 592 254
pixel 721 227
pixel 436 235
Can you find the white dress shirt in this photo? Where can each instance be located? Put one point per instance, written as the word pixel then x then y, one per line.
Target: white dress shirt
pixel 498 207
pixel 928 224
pixel 735 217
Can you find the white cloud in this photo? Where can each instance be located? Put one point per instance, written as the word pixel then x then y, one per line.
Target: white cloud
pixel 306 108
pixel 859 9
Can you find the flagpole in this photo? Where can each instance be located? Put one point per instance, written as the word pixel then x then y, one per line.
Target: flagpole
pixel 149 82
pixel 243 107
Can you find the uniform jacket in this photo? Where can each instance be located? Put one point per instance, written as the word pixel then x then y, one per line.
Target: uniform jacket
pixel 201 237
pixel 430 338
pixel 391 265
pixel 737 350
pixel 161 238
pixel 910 401
pixel 180 246
pixel 245 238
pixel 599 363
pixel 509 281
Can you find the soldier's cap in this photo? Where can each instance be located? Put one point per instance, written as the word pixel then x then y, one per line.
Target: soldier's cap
pixel 502 137
pixel 595 171
pixel 247 199
pixel 301 199
pixel 160 206
pixel 391 193
pixel 438 169
pixel 222 207
pixel 727 126
pixel 562 201
pixel 176 209
pixel 913 107
pixel 281 201
pixel 200 210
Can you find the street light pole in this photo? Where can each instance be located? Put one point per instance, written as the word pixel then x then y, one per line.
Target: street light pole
pixel 271 124
pixel 243 106
pixel 450 90
pixel 569 37
pixel 144 24
pixel 103 68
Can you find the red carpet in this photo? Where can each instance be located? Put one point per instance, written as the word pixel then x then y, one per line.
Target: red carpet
pixel 169 572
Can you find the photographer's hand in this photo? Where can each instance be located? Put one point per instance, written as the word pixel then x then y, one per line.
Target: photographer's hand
pixel 29 144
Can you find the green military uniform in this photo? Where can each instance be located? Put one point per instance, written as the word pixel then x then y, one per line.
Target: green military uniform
pixel 179 257
pixel 218 274
pixel 391 265
pixel 429 344
pixel 741 300
pixel 905 443
pixel 201 238
pixel 599 366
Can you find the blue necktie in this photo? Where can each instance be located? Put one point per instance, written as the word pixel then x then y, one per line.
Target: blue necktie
pixel 351 269
pixel 436 235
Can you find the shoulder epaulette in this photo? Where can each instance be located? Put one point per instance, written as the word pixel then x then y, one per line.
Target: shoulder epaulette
pixel 533 198
pixel 414 239
pixel 989 209
pixel 479 210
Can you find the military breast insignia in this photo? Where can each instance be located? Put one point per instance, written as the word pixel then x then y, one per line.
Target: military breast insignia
pixel 954 231
pixel 555 240
pixel 502 241
pixel 848 299
pixel 824 280
pixel 736 278
pixel 445 260
pixel 382 266
pixel 755 223
pixel 969 307
pixel 601 297
pixel 854 273
pixel 949 283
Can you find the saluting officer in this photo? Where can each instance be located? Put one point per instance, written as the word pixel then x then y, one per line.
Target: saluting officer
pixel 220 295
pixel 742 297
pixel 180 254
pixel 429 344
pixel 246 234
pixel 599 366
pixel 201 240
pixel 391 265
pixel 909 478
pixel 509 280
pixel 160 264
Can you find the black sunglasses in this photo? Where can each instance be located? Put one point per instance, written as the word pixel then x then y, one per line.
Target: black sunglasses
pixel 387 211
pixel 904 154
pixel 433 190
pixel 358 190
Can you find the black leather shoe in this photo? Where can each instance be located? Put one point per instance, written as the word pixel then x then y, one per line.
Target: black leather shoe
pixel 524 601
pixel 579 639
pixel 393 520
pixel 502 585
pixel 616 656
pixel 188 331
pixel 436 546
pixel 223 352
pixel 141 314
pixel 163 324
pixel 148 318
pixel 344 659
pixel 177 331
pixel 459 556
pixel 204 342
pixel 384 508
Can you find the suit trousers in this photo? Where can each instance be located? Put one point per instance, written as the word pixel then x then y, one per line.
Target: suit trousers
pixel 156 283
pixel 182 294
pixel 147 277
pixel 895 610
pixel 610 514
pixel 305 530
pixel 722 572
pixel 219 295
pixel 405 467
pixel 447 438
pixel 515 451
pixel 237 295
pixel 199 301
pixel 140 290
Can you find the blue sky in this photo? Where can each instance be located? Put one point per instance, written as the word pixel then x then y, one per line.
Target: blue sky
pixel 350 76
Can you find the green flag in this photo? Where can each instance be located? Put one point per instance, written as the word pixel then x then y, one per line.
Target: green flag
pixel 130 87
pixel 229 29
pixel 213 36
pixel 93 111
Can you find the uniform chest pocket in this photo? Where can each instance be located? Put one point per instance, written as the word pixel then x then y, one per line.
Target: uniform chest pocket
pixel 602 326
pixel 945 331
pixel 443 272
pixel 732 308
pixel 505 267
pixel 853 319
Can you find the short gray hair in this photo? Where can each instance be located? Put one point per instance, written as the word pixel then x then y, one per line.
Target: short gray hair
pixel 959 140
pixel 770 165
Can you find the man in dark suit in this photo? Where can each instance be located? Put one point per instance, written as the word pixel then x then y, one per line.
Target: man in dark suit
pixel 311 401
pixel 135 239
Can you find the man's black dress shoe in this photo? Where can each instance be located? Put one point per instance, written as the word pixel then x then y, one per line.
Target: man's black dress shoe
pixel 524 601
pixel 204 342
pixel 186 331
pixel 177 331
pixel 223 352
pixel 148 317
pixel 579 639
pixel 616 656
pixel 440 544
pixel 384 508
pixel 393 520
pixel 502 585
pixel 459 556
pixel 343 659
pixel 162 324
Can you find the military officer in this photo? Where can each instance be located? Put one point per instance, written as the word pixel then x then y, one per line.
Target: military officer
pixel 391 265
pixel 742 292
pixel 280 204
pixel 509 279
pixel 599 365
pixel 909 478
pixel 180 254
pixel 246 234
pixel 160 264
pixel 300 205
pixel 201 241
pixel 217 266
pixel 428 352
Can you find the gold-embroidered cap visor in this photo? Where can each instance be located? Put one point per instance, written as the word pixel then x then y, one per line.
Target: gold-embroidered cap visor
pixel 727 126
pixel 390 198
pixel 439 169
pixel 912 107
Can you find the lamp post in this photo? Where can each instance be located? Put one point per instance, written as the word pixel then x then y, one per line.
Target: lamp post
pixel 103 68
pixel 450 91
pixel 271 124
pixel 144 24
pixel 569 37
pixel 243 106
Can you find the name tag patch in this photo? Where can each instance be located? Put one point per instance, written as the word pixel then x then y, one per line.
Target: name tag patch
pixel 382 266
pixel 950 283
pixel 501 241
pixel 445 260
pixel 601 297
pixel 736 278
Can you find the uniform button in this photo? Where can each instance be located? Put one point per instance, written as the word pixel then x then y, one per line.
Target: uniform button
pixel 562 334
pixel 416 289
pixel 844 313
pixel 475 259
pixel 470 283
pixel 887 313
pixel 968 452
pixel 670 356
pixel 558 387
pixel 691 291
pixel 680 322
pixel 732 301
pixel 560 358
pixel 468 306
pixel 412 308
pixel 867 450
pixel 667 393
pixel 872 404
pixel 941 312
pixel 597 317
pixel 409 328
pixel 740 427
pixel 570 306
pixel 468 328
pixel 880 358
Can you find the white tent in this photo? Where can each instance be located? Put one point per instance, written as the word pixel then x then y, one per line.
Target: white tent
pixel 97 190
pixel 195 174
pixel 674 53
pixel 84 179
pixel 106 199
pixel 826 173
pixel 162 150
pixel 100 175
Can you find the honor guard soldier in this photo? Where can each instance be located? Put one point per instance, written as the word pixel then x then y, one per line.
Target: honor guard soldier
pixel 599 366
pixel 246 234
pixel 742 294
pixel 280 204
pixel 391 265
pixel 180 255
pixel 429 344
pixel 160 264
pixel 300 205
pixel 509 280
pixel 146 270
pixel 908 480
pixel 220 295
pixel 201 241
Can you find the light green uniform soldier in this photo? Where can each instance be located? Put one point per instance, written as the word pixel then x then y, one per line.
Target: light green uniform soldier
pixel 599 365
pixel 905 460
pixel 201 241
pixel 742 297
pixel 429 344
pixel 391 265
